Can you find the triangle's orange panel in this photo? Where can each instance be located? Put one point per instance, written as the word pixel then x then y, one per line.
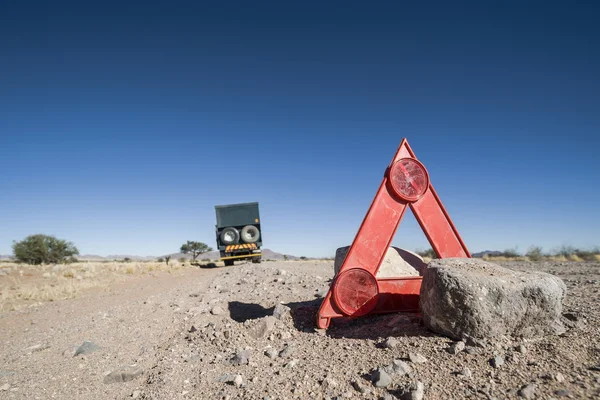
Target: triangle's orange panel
pixel 355 291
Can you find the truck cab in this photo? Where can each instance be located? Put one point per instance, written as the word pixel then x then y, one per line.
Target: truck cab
pixel 238 232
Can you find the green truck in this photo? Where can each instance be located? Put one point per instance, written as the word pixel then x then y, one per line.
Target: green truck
pixel 238 232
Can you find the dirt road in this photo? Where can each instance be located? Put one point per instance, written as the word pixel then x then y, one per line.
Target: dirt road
pixel 210 333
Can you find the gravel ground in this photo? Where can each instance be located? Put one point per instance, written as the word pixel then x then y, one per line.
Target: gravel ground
pixel 248 332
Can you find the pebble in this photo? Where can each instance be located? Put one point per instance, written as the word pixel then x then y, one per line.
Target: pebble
pixel 381 378
pixel 216 310
pixel 329 382
pixel 391 343
pixel 238 381
pixel 287 350
pixel 86 348
pixel 528 391
pixel 416 358
pixel 472 350
pixel 466 373
pixel 359 387
pixel 281 311
pixel 136 394
pixel 415 391
pixel 271 353
pixel 263 327
pixel 124 374
pixel 281 272
pixel 522 349
pixel 456 348
pixel 399 367
pixel 562 393
pixel 497 361
pixel 241 358
pixel 559 377
pixel 5 387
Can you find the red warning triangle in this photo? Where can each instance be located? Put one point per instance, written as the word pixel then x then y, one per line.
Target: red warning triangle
pixel 355 291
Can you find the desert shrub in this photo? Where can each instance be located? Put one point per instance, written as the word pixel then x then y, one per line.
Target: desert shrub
pixel 303 258
pixel 38 249
pixel 429 253
pixel 534 253
pixel 510 253
pixel 160 259
pixel 127 259
pixel 182 260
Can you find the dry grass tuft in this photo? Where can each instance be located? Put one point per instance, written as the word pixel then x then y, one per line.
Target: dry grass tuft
pixel 25 285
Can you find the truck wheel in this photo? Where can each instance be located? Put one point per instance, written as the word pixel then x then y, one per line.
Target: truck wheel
pixel 230 236
pixel 250 234
pixel 256 260
pixel 228 263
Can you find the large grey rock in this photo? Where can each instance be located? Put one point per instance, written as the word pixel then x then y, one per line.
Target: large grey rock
pixel 397 262
pixel 470 298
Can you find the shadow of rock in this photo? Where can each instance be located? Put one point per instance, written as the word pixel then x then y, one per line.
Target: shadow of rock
pixel 241 312
pixel 373 327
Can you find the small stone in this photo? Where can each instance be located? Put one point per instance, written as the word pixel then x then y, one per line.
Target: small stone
pixel 399 367
pixel 216 310
pixel 466 373
pixel 263 327
pixel 124 374
pixel 329 382
pixel 528 391
pixel 241 358
pixel 472 350
pixel 227 378
pixel 271 353
pixel 136 394
pixel 193 329
pixel 238 381
pixel 497 361
pixel 381 378
pixel 416 358
pixel 321 293
pixel 391 343
pixel 281 272
pixel 522 349
pixel 456 348
pixel 291 364
pixel 359 387
pixel 559 377
pixel 562 393
pixel 5 387
pixel 86 348
pixel 287 350
pixel 281 311
pixel 37 348
pixel 415 391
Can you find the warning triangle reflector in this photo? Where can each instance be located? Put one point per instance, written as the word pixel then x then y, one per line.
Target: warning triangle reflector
pixel 355 291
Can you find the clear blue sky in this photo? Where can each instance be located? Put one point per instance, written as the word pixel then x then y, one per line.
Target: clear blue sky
pixel 123 124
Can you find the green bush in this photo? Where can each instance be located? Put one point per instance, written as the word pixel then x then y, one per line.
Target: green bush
pixel 534 253
pixel 44 249
pixel 429 253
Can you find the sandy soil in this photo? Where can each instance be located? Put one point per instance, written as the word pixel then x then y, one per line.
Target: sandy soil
pixel 209 333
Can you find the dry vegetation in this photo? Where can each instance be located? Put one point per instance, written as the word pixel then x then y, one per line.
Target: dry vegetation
pixel 23 285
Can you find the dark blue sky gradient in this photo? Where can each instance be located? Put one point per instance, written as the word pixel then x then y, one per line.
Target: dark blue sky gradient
pixel 123 124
